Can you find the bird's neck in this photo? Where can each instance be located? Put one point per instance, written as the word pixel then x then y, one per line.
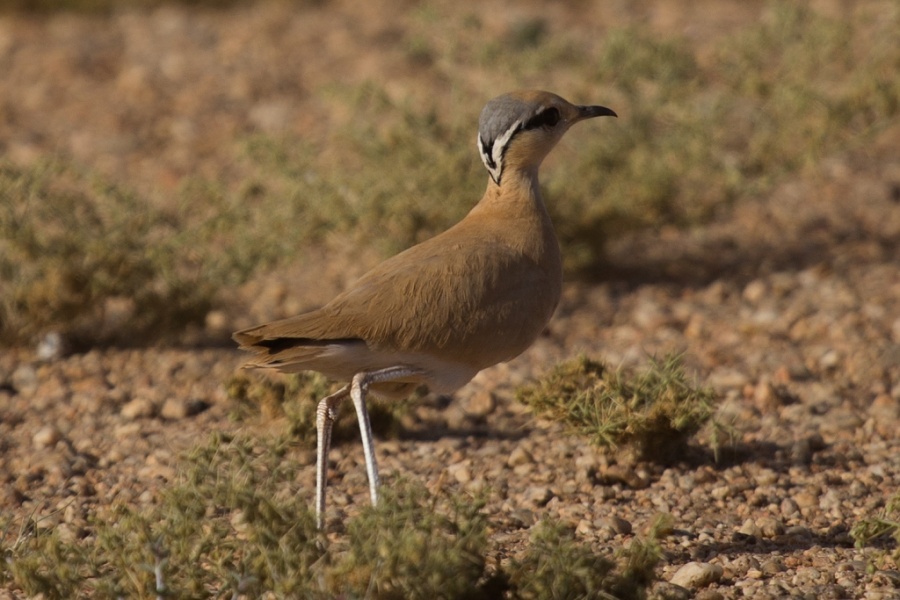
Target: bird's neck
pixel 517 195
pixel 514 212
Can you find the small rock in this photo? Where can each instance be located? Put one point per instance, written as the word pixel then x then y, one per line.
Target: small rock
pixel 523 518
pixel 648 314
pixel 519 456
pixel 51 347
pixel 766 477
pixel 175 408
pixel 740 565
pixel 754 574
pixel 24 379
pixel 127 430
pixel 772 567
pixel 805 500
pixel 480 404
pixel 755 291
pixel 798 531
pixel 720 492
pixel 663 590
pixel 46 437
pixel 789 508
pixel 584 527
pixel 138 408
pixel 66 533
pixel 830 360
pixel 709 595
pixel 216 321
pixel 765 397
pixel 460 472
pixel 750 528
pixel 696 575
pixel 887 576
pixel 806 575
pixel 626 475
pixel 475 486
pixel 539 495
pixel 587 461
pixel 616 524
pixel 770 527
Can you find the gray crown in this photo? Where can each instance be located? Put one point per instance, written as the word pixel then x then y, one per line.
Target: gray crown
pixel 500 119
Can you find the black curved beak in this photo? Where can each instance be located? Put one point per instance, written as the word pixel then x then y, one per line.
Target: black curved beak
pixel 589 112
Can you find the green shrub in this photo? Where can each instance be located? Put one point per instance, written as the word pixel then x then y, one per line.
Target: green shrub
pixel 556 566
pixel 883 527
pixel 655 412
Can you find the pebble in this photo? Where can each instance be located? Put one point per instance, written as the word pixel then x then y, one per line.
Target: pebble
pixel 663 590
pixel 720 492
pixel 523 518
pixel 480 404
pixel 127 430
pixel 798 531
pixel 766 477
pixel 789 508
pixel 138 408
pixel 626 475
pixel 615 524
pixel 176 408
pixel 538 495
pixel 697 575
pixel 709 595
pixel 518 457
pixel 772 567
pixel 750 528
pixel 770 527
pixel 805 501
pixel 52 346
pixel 461 472
pixel 217 322
pixel 46 437
pixel 755 291
pixel 24 379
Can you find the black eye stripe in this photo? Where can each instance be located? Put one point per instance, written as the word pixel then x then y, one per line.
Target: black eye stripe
pixel 546 118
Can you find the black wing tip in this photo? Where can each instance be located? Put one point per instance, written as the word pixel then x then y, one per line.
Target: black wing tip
pixel 255 342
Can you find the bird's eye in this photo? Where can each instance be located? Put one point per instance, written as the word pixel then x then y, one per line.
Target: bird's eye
pixel 545 118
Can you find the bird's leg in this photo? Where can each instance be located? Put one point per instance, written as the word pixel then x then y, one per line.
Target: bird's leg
pixel 358 389
pixel 326 413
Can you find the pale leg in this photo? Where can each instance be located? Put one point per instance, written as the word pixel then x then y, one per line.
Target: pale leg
pixel 326 413
pixel 358 389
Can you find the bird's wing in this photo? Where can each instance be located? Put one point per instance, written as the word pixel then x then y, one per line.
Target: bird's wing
pixel 434 297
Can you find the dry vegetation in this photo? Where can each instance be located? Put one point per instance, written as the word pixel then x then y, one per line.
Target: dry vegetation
pixel 655 412
pixel 232 527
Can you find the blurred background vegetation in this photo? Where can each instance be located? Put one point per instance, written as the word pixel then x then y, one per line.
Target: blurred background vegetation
pixel 705 121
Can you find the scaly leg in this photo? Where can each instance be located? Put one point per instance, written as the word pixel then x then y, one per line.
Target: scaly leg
pixel 358 389
pixel 326 413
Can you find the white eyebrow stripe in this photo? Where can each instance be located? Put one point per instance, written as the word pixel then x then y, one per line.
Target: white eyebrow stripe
pixel 494 162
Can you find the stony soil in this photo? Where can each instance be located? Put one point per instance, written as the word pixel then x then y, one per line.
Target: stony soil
pixel 788 306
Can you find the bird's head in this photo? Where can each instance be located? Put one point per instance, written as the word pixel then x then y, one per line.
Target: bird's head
pixel 517 130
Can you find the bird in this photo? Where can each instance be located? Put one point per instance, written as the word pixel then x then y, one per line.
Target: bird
pixel 439 312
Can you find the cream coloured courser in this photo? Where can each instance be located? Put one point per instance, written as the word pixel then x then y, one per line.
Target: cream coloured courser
pixel 438 313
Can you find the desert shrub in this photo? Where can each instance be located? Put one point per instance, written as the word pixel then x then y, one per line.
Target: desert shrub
pixel 655 411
